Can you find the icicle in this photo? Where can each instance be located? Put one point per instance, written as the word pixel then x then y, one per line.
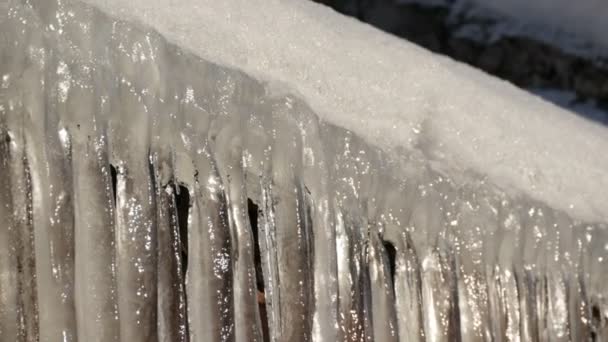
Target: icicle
pixel 355 243
pixel 17 192
pixel 96 302
pixel 436 268
pixel 408 292
pixel 287 233
pixel 315 174
pixel 53 217
pixel 383 296
pixel 474 224
pixel 75 85
pixel 136 219
pixel 209 275
pixel 596 280
pixel 350 231
pixel 172 319
pixel 504 295
pixel 229 156
pixel 22 222
pixel 9 294
pixel 394 212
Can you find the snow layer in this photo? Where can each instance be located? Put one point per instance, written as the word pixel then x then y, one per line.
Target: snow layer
pixel 395 94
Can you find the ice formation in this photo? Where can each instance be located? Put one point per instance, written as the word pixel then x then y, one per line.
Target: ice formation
pixel 138 180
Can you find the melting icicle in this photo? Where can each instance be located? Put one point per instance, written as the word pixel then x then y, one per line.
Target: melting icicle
pixel 128 172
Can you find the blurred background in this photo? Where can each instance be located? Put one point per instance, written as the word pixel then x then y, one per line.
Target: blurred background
pixel 557 49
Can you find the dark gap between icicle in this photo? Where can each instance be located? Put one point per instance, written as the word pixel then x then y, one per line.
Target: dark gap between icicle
pixel 182 202
pixel 114 176
pixel 391 254
pixel 253 211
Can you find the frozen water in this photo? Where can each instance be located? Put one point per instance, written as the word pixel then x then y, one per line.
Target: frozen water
pixel 130 168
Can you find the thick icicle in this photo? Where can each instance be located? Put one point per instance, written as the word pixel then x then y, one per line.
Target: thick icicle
pixel 383 296
pixel 22 222
pixel 474 221
pixel 96 301
pixel 324 258
pixel 77 88
pixel 12 110
pixel 172 318
pixel 53 218
pixel 408 292
pixel 230 163
pixel 407 278
pixel 172 229
pixel 133 105
pixel 209 277
pixel 209 274
pixel 351 172
pixel 9 290
pixel 434 272
pixel 287 232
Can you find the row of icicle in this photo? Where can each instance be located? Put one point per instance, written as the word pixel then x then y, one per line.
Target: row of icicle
pixel 143 191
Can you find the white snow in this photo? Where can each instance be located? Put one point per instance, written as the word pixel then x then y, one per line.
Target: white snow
pixel 395 94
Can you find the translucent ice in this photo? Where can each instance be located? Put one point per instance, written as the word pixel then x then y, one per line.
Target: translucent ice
pixel 139 182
